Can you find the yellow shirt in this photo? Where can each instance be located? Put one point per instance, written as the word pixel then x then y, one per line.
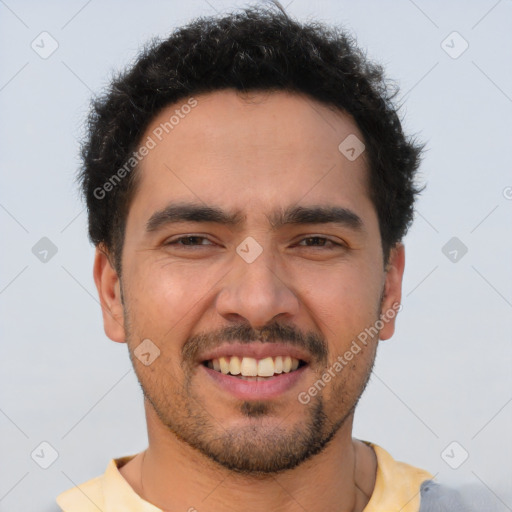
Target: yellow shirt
pixel 397 488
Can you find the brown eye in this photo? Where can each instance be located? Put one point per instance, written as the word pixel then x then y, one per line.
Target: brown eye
pixel 319 241
pixel 189 241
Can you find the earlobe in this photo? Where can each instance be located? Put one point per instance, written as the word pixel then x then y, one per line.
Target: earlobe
pixel 392 291
pixel 109 291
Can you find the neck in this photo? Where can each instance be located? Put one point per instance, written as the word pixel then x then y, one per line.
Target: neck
pixel 173 476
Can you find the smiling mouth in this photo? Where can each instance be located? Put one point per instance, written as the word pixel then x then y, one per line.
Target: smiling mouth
pixel 251 369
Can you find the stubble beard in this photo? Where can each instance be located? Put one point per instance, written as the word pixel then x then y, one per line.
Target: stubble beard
pixel 261 447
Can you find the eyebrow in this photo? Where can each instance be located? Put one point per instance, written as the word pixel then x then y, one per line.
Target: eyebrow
pixel 293 215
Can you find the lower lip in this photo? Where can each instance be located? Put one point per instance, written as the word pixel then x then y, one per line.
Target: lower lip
pixel 255 390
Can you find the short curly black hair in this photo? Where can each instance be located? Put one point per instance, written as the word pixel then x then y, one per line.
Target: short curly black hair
pixel 255 49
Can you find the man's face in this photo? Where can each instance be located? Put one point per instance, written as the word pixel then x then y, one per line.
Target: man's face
pixel 200 289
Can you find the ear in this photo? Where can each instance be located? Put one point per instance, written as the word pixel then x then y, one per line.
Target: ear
pixel 109 291
pixel 392 290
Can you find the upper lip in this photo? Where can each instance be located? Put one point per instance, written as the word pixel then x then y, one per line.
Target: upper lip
pixel 257 350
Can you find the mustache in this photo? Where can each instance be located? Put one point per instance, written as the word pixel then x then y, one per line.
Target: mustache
pixel 311 342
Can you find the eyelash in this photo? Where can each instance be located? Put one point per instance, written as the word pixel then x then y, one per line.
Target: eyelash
pixel 176 241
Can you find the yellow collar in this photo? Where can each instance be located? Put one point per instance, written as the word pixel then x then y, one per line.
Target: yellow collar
pixel 397 487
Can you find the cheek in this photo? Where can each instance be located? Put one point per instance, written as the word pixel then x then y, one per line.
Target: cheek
pixel 344 300
pixel 165 302
pixel 158 302
pixel 165 291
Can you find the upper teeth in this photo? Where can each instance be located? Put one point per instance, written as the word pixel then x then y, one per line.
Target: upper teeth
pixel 250 367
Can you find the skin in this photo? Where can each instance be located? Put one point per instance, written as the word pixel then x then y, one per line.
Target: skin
pixel 252 155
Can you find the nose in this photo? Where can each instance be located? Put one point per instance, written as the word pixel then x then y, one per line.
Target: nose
pixel 257 292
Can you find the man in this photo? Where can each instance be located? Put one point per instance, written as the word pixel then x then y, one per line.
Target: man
pixel 248 186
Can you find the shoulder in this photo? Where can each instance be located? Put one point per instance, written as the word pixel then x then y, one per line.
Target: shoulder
pixel 437 497
pixel 397 481
pixel 101 492
pixel 86 497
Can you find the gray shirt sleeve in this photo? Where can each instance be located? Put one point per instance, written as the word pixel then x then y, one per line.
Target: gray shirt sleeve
pixel 440 498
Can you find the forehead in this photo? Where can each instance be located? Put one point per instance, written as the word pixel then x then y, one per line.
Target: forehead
pixel 251 151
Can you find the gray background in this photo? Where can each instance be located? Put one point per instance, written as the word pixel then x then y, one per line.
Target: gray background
pixel 445 375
